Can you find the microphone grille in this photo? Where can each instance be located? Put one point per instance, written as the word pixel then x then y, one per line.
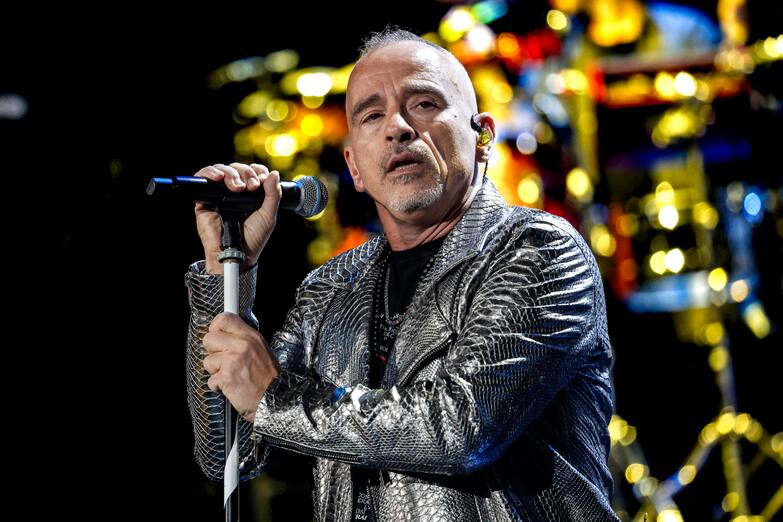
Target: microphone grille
pixel 314 196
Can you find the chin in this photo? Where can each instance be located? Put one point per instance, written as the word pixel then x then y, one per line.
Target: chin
pixel 420 199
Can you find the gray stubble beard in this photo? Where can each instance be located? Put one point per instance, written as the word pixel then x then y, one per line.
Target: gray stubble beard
pixel 420 199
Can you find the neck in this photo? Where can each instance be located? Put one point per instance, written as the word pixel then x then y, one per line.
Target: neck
pixel 403 235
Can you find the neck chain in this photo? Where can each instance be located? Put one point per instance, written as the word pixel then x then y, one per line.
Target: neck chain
pixel 394 321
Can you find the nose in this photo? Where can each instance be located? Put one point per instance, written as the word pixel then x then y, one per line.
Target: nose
pixel 398 129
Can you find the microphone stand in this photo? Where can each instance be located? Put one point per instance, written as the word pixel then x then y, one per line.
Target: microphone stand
pixel 231 257
pixel 307 197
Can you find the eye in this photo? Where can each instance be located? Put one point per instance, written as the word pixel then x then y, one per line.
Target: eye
pixel 425 104
pixel 370 117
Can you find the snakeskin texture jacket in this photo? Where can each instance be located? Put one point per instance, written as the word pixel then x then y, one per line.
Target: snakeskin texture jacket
pixel 496 396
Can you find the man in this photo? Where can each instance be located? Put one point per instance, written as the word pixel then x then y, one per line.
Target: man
pixel 456 367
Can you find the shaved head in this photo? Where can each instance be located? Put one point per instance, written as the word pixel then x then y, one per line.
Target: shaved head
pixel 456 71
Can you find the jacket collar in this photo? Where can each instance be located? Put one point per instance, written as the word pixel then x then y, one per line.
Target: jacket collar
pixel 465 240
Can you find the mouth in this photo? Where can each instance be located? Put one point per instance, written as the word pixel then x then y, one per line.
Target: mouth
pixel 404 164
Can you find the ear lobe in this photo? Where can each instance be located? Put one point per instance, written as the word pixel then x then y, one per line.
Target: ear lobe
pixel 353 170
pixel 484 124
pixel 484 145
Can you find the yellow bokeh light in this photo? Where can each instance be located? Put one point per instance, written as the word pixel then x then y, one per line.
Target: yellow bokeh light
pixel 456 23
pixel 635 472
pixel 685 84
pixel 529 189
pixel 253 104
pixel 311 125
pixel 771 47
pixel 618 428
pixel 739 290
pixel 717 279
pixel 575 80
pixel 730 502
pixel 664 193
pixel 703 91
pixel 502 92
pixel 281 145
pixel 725 423
pixel 629 436
pixel 709 434
pixel 579 185
pixel 557 20
pixel 757 320
pixel 777 443
pixel 602 241
pixel 281 61
pixel 668 216
pixel 664 84
pixel 312 102
pixel 319 251
pixel 686 474
pixel 277 110
pixel 314 84
pixel 674 260
pixel 713 333
pixel 705 215
pixel 718 358
pixel 567 6
pixel 647 486
pixel 741 423
pixel 754 432
pixel 669 515
pixel 658 262
pixel 587 122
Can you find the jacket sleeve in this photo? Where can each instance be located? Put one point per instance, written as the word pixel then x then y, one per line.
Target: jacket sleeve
pixel 527 332
pixel 207 408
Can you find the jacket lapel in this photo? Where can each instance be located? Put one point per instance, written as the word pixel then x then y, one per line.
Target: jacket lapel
pixel 426 327
pixel 428 322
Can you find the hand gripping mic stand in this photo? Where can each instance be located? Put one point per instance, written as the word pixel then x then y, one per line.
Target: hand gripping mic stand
pixel 231 257
pixel 307 197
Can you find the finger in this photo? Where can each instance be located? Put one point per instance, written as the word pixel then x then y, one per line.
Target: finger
pixel 232 178
pixel 212 363
pixel 272 193
pixel 228 322
pixel 210 172
pixel 260 169
pixel 214 383
pixel 213 342
pixel 248 175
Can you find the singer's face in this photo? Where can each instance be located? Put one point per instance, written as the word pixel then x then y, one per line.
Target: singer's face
pixel 411 146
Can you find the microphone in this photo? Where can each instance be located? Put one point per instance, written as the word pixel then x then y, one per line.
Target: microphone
pixel 306 196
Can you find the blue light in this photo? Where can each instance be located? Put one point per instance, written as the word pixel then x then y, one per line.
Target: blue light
pixel 752 204
pixel 490 10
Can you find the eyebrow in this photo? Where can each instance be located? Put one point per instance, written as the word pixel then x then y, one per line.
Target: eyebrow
pixel 407 91
pixel 362 105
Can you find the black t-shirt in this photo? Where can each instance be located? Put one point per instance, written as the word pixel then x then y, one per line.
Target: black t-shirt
pixel 405 270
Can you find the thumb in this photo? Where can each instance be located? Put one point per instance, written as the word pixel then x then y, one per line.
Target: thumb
pixel 273 192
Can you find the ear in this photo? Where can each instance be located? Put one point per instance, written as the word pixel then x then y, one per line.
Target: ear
pixel 487 124
pixel 354 171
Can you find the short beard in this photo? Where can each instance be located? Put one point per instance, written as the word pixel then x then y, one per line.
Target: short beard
pixel 421 199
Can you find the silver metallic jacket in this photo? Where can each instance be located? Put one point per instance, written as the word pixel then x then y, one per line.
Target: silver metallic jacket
pixel 496 397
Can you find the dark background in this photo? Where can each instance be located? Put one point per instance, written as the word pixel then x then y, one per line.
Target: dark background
pixel 118 95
